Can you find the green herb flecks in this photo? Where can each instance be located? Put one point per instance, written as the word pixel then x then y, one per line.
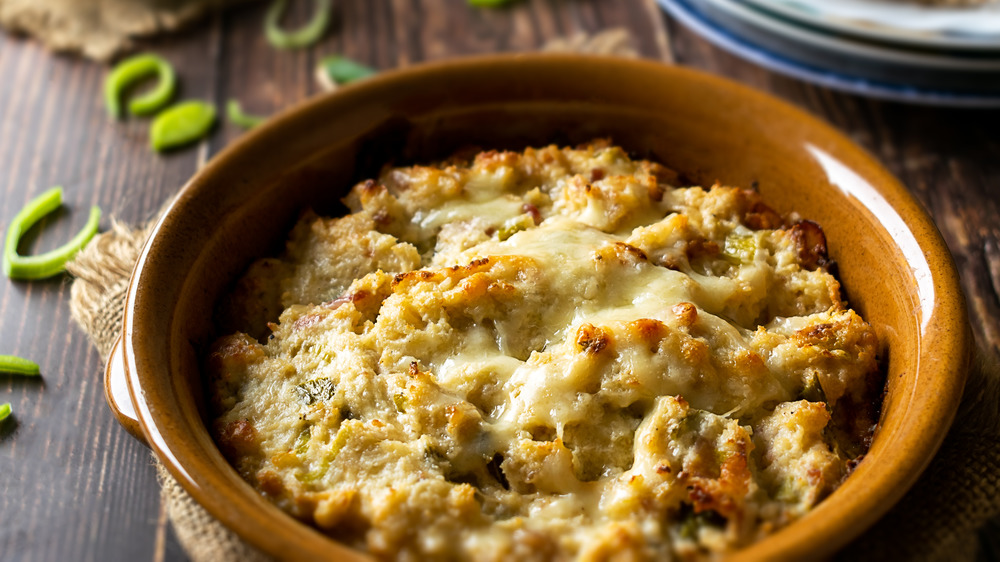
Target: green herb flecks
pixel 315 474
pixel 131 70
pixel 515 225
pixel 401 402
pixel 181 124
pixel 345 432
pixel 336 70
pixel 236 116
pixel 12 365
pixel 316 390
pixel 691 523
pixel 740 249
pixel 302 442
pixel 813 390
pixel 690 425
pixel 306 35
pixel 16 266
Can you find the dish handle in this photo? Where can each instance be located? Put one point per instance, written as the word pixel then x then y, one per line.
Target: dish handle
pixel 117 394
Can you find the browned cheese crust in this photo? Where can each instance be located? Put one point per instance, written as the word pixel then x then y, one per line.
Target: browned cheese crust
pixel 553 354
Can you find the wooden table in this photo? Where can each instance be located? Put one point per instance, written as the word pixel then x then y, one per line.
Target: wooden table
pixel 73 484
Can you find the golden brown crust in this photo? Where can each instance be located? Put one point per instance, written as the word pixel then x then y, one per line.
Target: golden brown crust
pixel 550 354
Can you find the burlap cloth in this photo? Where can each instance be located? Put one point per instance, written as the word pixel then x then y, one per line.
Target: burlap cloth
pixel 101 29
pixel 938 520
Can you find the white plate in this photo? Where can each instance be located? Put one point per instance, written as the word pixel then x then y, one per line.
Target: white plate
pixel 883 63
pixel 779 63
pixel 974 28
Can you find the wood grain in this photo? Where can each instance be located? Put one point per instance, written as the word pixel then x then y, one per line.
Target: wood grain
pixel 73 485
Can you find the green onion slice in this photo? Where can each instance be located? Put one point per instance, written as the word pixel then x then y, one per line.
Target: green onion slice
pixel 18 366
pixel 235 113
pixel 52 262
pixel 181 124
pixel 302 37
pixel 130 71
pixel 335 69
pixel 4 411
pixel 488 3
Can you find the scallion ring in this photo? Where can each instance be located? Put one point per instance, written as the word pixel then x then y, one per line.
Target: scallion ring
pixel 181 124
pixel 335 70
pixel 13 365
pixel 235 113
pixel 130 71
pixel 52 262
pixel 4 411
pixel 302 37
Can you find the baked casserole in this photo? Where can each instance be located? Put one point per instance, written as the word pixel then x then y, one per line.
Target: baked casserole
pixel 548 354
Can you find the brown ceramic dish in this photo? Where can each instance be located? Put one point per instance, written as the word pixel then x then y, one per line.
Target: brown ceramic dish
pixel 896 269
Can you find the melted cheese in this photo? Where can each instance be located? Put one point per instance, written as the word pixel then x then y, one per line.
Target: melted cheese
pixel 584 361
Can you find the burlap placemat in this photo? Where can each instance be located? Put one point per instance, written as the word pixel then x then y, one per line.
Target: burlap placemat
pixel 101 29
pixel 97 303
pixel 937 520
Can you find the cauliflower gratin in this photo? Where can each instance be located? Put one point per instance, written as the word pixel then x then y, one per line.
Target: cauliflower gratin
pixel 553 354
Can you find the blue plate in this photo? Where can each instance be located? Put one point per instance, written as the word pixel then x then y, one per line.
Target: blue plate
pixel 688 15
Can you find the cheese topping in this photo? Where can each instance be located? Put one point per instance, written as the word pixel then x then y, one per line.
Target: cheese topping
pixel 544 355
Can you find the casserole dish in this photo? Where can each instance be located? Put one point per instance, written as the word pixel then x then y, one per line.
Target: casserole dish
pixel 893 264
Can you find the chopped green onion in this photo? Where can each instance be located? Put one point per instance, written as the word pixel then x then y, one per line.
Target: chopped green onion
pixel 739 249
pixel 316 474
pixel 52 262
pixel 302 37
pixel 812 390
pixel 181 124
pixel 18 366
pixel 335 70
pixel 130 71
pixel 237 117
pixel 302 443
pixel 489 3
pixel 4 411
pixel 400 401
pixel 316 390
pixel 514 225
pixel 344 434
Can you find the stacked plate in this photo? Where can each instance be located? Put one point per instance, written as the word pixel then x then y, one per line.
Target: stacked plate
pixel 890 49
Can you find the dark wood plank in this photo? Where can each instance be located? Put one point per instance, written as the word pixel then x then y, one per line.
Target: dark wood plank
pixel 74 486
